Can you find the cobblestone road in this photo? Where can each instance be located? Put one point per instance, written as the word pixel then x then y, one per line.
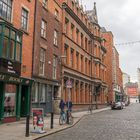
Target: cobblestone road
pixel 108 125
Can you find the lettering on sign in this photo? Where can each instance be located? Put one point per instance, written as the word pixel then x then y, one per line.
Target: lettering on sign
pixel 2 77
pixel 11 68
pixel 13 79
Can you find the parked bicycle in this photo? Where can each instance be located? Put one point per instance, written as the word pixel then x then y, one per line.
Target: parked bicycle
pixel 62 118
pixel 66 118
pixel 70 118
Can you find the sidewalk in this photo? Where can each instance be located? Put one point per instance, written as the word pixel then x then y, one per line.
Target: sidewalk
pixel 16 130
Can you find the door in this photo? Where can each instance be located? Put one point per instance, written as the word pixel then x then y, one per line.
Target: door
pixel 24 100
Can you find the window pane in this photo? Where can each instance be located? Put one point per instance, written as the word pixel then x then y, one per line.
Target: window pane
pixel 13 34
pixel 35 93
pixel 11 52
pixel 0 29
pixel 10 100
pixel 18 52
pixel 18 38
pixel 5 47
pixel 6 31
pixel 5 9
pixel 42 61
pixel 24 19
pixel 42 96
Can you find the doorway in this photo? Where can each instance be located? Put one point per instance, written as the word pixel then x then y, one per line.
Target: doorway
pixel 24 99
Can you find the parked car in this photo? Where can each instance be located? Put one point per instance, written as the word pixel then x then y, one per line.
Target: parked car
pixel 117 105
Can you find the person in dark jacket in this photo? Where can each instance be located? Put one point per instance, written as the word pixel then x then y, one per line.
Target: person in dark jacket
pixel 69 105
pixel 62 105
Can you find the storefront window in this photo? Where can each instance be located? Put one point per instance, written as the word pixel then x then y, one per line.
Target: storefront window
pixel 10 100
pixel 43 91
pixel 35 93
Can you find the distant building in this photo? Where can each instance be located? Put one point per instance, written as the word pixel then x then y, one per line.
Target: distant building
pixel 132 91
pixel 126 79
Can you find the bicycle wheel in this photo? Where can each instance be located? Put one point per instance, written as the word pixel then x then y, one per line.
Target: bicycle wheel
pixel 71 119
pixel 62 119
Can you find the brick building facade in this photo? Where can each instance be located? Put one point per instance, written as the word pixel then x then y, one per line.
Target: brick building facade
pixel 108 36
pixel 117 77
pixel 47 53
pixel 84 65
pixel 16 42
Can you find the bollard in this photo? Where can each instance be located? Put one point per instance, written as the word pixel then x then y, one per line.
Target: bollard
pixel 67 117
pixel 52 115
pixel 27 125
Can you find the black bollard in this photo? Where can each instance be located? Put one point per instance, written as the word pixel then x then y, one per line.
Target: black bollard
pixel 67 117
pixel 27 125
pixel 52 115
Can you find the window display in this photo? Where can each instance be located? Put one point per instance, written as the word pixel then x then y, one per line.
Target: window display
pixel 10 100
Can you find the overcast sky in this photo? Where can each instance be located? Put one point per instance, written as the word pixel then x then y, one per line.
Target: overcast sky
pixel 122 17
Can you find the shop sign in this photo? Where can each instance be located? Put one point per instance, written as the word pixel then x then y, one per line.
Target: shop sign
pixel 8 66
pixel 38 120
pixel 12 79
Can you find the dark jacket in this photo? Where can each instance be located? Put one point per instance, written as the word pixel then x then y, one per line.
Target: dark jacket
pixel 70 104
pixel 62 105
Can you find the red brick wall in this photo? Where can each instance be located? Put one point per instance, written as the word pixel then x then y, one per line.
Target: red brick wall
pixel 27 41
pixel 52 24
pixel 109 44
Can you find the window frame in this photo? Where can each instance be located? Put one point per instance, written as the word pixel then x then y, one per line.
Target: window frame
pixel 55 41
pixel 45 3
pixel 56 14
pixel 43 30
pixel 24 19
pixel 54 67
pixel 8 6
pixel 17 40
pixel 42 62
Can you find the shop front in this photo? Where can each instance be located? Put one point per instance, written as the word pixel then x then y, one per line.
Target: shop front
pixel 14 89
pixel 14 97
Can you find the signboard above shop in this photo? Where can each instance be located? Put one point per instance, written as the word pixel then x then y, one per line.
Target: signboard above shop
pixel 14 79
pixel 11 67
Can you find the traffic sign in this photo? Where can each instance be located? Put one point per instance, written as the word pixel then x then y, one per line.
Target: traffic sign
pixel 69 84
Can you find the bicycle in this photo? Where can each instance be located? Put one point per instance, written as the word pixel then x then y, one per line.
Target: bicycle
pixel 62 118
pixel 70 119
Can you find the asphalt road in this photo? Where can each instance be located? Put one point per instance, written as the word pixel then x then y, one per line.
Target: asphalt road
pixel 108 125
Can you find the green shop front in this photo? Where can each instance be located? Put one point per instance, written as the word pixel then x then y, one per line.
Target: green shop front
pixel 14 89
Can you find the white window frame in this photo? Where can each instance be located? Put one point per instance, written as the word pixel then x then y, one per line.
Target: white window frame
pixel 45 3
pixel 43 93
pixel 54 66
pixel 43 28
pixel 55 37
pixel 42 62
pixel 56 13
